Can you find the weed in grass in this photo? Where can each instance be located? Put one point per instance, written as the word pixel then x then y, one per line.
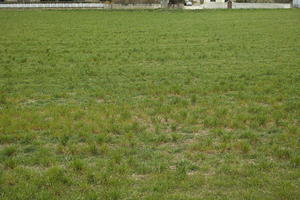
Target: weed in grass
pixel 295 160
pixel 194 99
pixel 77 165
pixel 282 153
pixel 252 138
pixel 243 146
pixel 91 178
pixel 9 151
pixel 56 175
pixel 3 98
pixel 10 163
pixel 93 149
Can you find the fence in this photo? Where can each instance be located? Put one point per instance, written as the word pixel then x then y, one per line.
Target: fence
pixel 53 5
pixel 211 5
pixel 80 5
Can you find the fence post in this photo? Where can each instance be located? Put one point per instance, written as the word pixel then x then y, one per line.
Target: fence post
pixel 229 4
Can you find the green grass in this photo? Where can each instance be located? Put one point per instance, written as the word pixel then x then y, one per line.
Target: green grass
pixel 149 104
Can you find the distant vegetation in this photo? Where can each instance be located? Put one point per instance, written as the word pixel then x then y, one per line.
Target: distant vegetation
pixel 149 104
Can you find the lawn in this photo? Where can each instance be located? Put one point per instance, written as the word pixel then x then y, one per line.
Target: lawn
pixel 149 104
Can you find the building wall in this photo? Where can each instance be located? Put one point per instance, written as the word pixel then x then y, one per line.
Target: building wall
pixel 260 5
pixel 296 3
pixel 212 5
pixel 133 6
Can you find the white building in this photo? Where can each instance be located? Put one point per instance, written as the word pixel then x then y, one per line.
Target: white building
pixel 215 1
pixel 296 3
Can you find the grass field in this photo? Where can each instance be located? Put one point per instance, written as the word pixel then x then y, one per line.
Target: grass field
pixel 149 104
